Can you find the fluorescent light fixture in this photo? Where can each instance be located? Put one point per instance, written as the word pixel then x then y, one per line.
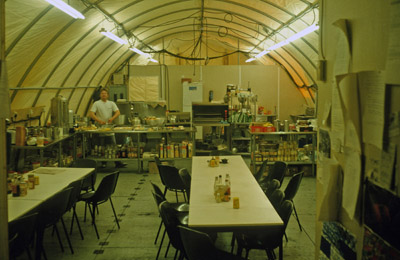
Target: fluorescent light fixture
pixel 261 53
pixel 66 8
pixel 113 36
pixel 153 60
pixel 292 38
pixel 250 60
pixel 140 52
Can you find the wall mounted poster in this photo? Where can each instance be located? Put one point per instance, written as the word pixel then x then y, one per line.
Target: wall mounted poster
pixel 374 247
pixel 337 242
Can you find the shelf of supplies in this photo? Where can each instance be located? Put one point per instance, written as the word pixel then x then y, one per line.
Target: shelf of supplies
pixel 245 123
pixel 282 133
pixel 210 124
pixel 289 163
pixel 165 159
pixel 35 147
pixel 243 154
pixel 111 160
pixel 241 138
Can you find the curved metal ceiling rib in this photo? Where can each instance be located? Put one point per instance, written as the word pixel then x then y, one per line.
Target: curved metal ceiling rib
pixel 247 17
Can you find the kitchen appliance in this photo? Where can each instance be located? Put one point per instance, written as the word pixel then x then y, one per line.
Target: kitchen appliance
pixel 120 120
pixel 192 92
pixel 209 113
pixel 59 112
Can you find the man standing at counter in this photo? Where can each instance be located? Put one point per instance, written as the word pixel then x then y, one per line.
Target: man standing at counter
pixel 104 112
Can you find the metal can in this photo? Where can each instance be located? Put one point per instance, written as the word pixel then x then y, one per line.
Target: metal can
pixel 286 126
pixel 37 180
pixel 236 202
pixel 31 181
pixel 23 186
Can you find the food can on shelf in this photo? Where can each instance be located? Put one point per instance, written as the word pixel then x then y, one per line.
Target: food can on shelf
pixel 236 202
pixel 176 150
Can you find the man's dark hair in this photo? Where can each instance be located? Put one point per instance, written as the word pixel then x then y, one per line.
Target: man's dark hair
pixel 104 89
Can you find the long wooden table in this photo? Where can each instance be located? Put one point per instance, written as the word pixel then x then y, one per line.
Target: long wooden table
pixel 52 180
pixel 255 210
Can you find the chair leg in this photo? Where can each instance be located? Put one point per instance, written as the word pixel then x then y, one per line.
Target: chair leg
pixel 115 215
pixel 166 251
pixel 286 237
pixel 281 251
pixel 93 219
pixel 67 236
pixel 84 216
pixel 297 217
pixel 165 191
pixel 247 253
pixel 162 240
pixel 176 253
pixel 28 252
pixel 232 243
pixel 59 238
pixel 158 232
pixel 176 195
pixel 77 222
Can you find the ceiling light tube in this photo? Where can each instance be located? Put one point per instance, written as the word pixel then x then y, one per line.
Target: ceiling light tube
pixel 153 60
pixel 250 60
pixel 139 52
pixel 113 36
pixel 66 8
pixel 292 38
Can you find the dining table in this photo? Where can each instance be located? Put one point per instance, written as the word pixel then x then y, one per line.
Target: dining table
pixel 51 181
pixel 255 211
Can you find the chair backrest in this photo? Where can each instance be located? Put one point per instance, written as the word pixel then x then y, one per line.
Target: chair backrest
pixel 157 190
pixel 220 152
pixel 278 171
pixel 271 187
pixel 186 179
pixel 261 171
pixel 90 180
pixel 171 222
pixel 75 193
pixel 171 177
pixel 276 198
pixel 20 233
pixel 293 186
pixel 106 187
pixel 198 245
pixel 285 211
pixel 158 163
pixel 158 199
pixel 52 209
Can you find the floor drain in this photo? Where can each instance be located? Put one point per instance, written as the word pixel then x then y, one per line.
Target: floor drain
pixel 127 206
pixel 144 214
pixel 140 182
pixel 121 215
pixel 98 252
pixel 111 231
pixel 103 243
pixel 133 194
pixel 145 175
pixel 119 220
pixel 142 179
pixel 131 198
pixel 137 188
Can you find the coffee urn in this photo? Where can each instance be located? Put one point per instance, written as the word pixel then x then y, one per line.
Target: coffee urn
pixel 59 113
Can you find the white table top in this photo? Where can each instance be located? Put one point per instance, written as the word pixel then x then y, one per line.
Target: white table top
pixel 255 208
pixel 51 181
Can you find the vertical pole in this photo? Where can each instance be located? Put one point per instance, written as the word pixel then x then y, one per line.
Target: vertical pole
pixel 3 150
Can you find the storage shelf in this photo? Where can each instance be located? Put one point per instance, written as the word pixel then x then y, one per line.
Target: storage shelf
pixel 241 138
pixel 283 133
pixel 35 147
pixel 244 154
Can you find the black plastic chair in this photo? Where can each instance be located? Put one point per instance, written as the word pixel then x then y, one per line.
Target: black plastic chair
pixel 291 191
pixel 179 206
pixel 74 197
pixel 171 222
pixel 199 246
pixel 272 186
pixel 267 240
pixel 20 235
pixel 220 153
pixel 90 180
pixel 187 181
pixel 276 198
pixel 172 180
pixel 102 194
pixel 50 213
pixel 277 171
pixel 261 171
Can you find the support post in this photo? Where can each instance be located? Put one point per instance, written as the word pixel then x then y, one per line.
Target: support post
pixel 3 150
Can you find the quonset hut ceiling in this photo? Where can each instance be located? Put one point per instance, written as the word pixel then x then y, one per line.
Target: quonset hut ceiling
pixel 49 53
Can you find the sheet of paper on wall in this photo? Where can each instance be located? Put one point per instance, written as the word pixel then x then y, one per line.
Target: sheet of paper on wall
pixel 394 125
pixel 348 89
pixel 352 138
pixel 385 175
pixel 393 53
pixel 343 52
pixel 330 177
pixel 326 115
pixel 4 92
pixel 337 120
pixel 351 181
pixel 372 87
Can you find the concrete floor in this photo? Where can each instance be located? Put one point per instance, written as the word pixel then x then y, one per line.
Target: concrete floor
pixel 139 222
